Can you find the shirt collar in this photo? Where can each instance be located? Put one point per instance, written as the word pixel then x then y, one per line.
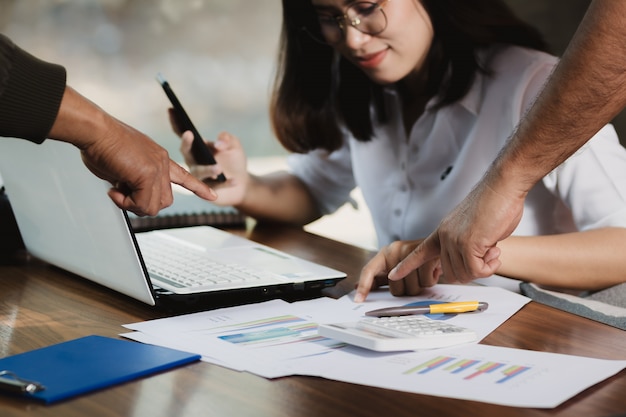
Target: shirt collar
pixel 471 101
pixel 474 97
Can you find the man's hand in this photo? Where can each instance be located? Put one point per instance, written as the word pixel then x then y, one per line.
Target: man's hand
pixel 466 239
pixel 139 169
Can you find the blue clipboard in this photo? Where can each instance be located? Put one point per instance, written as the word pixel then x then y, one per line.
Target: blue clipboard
pixel 68 369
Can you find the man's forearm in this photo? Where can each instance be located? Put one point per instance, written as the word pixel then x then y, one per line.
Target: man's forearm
pixel 80 121
pixel 586 90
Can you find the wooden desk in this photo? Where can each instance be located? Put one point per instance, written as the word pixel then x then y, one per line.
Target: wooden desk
pixel 42 305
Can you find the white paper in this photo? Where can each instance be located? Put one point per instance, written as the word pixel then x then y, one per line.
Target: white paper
pixel 497 375
pixel 276 338
pixel 276 334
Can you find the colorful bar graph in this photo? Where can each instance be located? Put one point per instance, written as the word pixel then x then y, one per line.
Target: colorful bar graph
pixel 485 369
pixel 512 372
pixel 461 365
pixel 430 365
pixel 277 334
pixel 255 324
pixel 469 369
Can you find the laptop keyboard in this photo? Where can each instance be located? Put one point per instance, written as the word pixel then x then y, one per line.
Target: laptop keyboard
pixel 181 267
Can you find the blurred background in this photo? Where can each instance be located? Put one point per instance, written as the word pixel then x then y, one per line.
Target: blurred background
pixel 218 56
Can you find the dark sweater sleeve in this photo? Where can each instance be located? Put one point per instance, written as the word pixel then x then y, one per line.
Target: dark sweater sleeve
pixel 31 91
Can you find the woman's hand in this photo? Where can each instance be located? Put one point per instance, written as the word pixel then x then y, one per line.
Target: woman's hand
pixel 375 272
pixel 231 160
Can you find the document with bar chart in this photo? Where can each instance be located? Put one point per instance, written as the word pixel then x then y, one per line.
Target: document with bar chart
pixel 267 338
pixel 497 375
pixel 275 339
pixel 467 369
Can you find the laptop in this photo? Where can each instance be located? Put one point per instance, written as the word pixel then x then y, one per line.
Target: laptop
pixel 66 218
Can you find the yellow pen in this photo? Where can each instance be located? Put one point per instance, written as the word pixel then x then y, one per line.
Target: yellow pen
pixel 455 307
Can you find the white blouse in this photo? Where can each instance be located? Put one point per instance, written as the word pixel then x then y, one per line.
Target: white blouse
pixel 410 183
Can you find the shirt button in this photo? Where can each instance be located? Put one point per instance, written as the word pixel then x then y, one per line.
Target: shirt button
pixel 403 188
pixel 397 212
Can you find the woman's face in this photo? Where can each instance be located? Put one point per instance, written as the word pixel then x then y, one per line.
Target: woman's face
pixel 391 55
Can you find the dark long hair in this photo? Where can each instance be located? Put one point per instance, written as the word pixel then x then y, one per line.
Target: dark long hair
pixel 315 91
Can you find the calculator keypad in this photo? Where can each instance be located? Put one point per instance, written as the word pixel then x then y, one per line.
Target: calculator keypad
pixel 409 326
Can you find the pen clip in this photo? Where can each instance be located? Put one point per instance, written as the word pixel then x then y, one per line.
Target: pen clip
pixel 10 382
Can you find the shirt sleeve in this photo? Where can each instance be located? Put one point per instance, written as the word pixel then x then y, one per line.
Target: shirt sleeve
pixel 329 177
pixel 592 182
pixel 31 91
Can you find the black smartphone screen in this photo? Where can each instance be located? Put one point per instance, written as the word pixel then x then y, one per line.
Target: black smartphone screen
pixel 201 153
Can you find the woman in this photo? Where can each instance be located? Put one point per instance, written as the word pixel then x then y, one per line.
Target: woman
pixel 411 100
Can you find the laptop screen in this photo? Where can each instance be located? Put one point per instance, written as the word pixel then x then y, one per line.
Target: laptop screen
pixel 66 217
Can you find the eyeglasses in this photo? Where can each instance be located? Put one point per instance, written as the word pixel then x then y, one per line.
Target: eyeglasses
pixel 366 17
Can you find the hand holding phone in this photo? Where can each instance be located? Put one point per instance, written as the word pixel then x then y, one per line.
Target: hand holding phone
pixel 200 151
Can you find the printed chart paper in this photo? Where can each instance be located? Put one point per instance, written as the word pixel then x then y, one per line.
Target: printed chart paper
pixel 276 338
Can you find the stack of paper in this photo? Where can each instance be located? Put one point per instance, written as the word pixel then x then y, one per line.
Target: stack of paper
pixel 277 338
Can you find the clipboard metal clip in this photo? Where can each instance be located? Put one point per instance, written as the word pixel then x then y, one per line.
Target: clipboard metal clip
pixel 10 382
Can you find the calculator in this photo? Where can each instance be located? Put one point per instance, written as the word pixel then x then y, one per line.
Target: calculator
pixel 387 334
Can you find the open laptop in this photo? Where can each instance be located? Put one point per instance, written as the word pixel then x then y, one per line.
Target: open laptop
pixel 66 218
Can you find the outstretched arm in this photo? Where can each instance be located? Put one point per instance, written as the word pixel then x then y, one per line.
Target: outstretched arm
pixel 139 169
pixel 586 90
pixel 35 103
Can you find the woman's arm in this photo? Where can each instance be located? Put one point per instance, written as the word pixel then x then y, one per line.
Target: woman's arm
pixel 589 260
pixel 281 197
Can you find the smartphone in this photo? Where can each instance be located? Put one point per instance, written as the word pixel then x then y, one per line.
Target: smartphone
pixel 200 151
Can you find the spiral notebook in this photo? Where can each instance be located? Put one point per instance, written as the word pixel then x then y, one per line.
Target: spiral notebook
pixel 189 210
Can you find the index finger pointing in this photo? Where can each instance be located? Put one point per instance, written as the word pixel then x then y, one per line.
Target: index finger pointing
pixel 428 249
pixel 180 176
